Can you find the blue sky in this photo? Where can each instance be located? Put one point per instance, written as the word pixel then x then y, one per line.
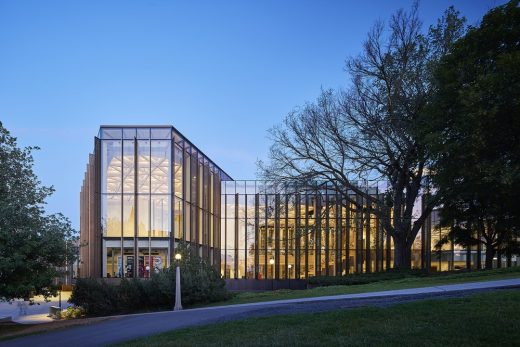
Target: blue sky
pixel 222 72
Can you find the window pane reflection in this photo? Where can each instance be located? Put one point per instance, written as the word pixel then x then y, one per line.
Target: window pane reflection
pixel 160 167
pixel 111 166
pixel 143 164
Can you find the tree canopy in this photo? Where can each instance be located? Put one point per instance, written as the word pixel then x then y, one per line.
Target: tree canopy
pixel 472 130
pixel 33 245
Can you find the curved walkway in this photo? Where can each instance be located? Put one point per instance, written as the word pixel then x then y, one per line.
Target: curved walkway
pixel 128 327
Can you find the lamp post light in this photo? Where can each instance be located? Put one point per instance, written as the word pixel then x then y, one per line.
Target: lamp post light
pixel 271 261
pixel 178 305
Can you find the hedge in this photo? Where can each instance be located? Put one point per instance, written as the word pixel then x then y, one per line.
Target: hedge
pixel 200 283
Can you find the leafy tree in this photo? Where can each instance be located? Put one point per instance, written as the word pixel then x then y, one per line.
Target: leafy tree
pixel 33 245
pixel 368 131
pixel 472 129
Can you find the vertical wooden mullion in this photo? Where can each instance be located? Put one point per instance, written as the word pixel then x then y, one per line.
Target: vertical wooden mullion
pixel 236 236
pixel 327 232
pixel 172 201
pixel 348 225
pixel 286 235
pixel 317 235
pixel 359 234
pixel 297 236
pixel 276 236
pixel 368 228
pixel 225 235
pixel 122 209
pixel 136 208
pixel 306 235
pixel 339 237
pixel 266 236
pixel 257 220
pixel 245 233
pixel 149 203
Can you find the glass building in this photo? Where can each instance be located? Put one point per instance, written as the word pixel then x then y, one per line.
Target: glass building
pixel 147 188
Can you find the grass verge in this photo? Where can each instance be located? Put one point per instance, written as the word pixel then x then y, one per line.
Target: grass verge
pixel 479 320
pixel 402 283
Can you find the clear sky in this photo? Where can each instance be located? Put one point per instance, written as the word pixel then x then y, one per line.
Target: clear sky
pixel 222 72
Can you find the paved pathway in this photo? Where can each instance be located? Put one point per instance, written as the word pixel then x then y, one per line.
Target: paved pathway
pixel 21 312
pixel 123 328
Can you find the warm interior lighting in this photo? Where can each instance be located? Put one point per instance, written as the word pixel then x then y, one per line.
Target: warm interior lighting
pixel 271 261
pixel 290 266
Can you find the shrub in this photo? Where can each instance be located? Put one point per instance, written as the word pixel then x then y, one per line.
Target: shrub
pixel 131 296
pixel 72 312
pixel 96 297
pixel 200 283
pixel 365 278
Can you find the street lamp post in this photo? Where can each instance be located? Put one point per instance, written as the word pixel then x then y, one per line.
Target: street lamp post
pixel 178 305
pixel 271 261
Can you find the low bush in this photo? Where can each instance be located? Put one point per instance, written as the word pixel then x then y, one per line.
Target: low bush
pixel 365 278
pixel 200 283
pixel 97 298
pixel 72 313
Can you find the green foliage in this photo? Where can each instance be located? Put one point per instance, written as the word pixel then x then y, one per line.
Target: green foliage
pixel 200 283
pixel 72 313
pixel 365 278
pixel 32 244
pixel 472 130
pixel 97 298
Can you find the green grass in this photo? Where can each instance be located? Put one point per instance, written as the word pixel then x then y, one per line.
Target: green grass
pixel 402 283
pixel 479 320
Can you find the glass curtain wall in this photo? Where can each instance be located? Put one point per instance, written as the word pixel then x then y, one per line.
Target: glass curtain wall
pixel 281 234
pixel 270 234
pixel 156 190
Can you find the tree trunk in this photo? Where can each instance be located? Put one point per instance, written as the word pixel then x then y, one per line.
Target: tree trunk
pixel 468 258
pixel 402 255
pixel 490 253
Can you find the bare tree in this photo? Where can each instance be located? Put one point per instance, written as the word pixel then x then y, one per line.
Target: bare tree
pixel 367 131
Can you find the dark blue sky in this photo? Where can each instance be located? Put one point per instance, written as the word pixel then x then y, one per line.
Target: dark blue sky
pixel 222 72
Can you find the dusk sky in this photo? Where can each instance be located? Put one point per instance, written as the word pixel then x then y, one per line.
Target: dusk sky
pixel 221 72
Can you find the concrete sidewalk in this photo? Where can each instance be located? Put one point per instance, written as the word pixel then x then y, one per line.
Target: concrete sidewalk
pixel 21 312
pixel 128 327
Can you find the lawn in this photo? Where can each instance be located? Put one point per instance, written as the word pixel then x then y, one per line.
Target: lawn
pixel 486 319
pixel 439 278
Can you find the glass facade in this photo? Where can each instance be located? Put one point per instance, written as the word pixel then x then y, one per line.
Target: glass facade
pixel 270 233
pixel 148 188
pixel 156 189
